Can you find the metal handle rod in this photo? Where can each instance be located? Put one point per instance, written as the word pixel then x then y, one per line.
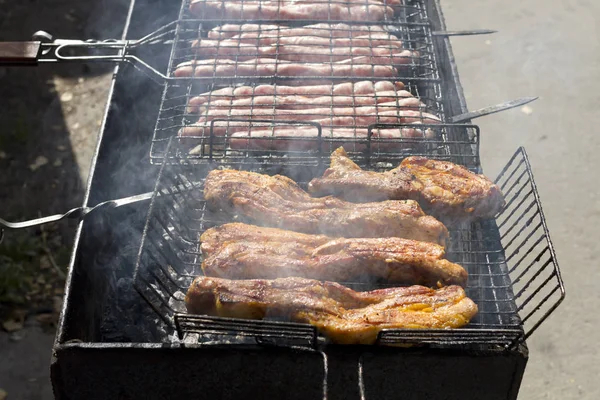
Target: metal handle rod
pixel 44 48
pixel 76 213
pixel 464 33
pixel 73 213
pixel 491 110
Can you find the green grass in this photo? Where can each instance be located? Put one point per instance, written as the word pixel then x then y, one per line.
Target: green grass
pixel 17 255
pixel 26 284
pixel 18 132
pixel 12 281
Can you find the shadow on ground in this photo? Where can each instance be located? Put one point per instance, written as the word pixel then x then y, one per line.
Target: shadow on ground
pixel 49 120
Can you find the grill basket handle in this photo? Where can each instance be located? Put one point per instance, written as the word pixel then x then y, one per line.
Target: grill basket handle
pixel 44 48
pixel 75 213
pixel 20 53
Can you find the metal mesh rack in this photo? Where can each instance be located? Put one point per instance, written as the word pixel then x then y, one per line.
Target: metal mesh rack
pixel 335 11
pixel 448 141
pixel 536 279
pixel 512 268
pixel 201 40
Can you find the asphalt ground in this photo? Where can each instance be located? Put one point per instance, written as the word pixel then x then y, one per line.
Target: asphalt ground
pixel 549 49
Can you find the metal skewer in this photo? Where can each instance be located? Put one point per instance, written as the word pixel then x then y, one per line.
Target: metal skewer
pixel 491 109
pixel 464 33
pixel 75 213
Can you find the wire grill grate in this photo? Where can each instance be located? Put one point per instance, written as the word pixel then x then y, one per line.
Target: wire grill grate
pixel 510 260
pixel 417 69
pixel 512 270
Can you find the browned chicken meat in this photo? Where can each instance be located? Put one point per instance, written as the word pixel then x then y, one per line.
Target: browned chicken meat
pixel 277 201
pixel 343 315
pixel 448 191
pixel 240 251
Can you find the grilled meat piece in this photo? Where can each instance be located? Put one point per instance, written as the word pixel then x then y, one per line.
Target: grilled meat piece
pixel 277 201
pixel 353 10
pixel 344 111
pixel 306 138
pixel 296 102
pixel 240 251
pixel 401 111
pixel 357 66
pixel 340 89
pixel 266 39
pixel 343 315
pixel 448 191
pixel 255 31
pixel 307 96
pixel 381 54
pixel 347 180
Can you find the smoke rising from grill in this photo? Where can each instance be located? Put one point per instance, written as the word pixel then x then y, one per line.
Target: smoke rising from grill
pixel 236 143
pixel 254 144
pixel 123 172
pixel 130 179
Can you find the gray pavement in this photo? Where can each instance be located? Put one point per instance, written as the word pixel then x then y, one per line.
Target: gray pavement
pixel 25 364
pixel 549 49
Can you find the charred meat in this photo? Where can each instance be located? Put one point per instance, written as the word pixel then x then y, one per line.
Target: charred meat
pixel 278 202
pixel 240 251
pixel 343 315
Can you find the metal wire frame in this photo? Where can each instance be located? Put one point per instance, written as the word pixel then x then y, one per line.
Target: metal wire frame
pixel 309 144
pixel 274 53
pixel 536 279
pixel 511 264
pixel 195 124
pixel 365 11
pixel 410 25
pixel 178 34
pixel 109 50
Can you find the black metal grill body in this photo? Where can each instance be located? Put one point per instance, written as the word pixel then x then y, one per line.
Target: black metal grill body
pixel 104 350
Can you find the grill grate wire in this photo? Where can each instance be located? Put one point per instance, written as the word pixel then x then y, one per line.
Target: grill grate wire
pixel 421 76
pixel 510 260
pixel 512 268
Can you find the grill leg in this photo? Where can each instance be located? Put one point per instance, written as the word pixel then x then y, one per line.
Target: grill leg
pixel 342 374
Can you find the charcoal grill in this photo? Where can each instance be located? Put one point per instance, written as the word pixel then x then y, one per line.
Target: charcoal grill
pixel 114 343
